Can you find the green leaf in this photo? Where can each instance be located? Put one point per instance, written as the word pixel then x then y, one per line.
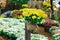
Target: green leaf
pixel 5 34
pixel 19 1
pixel 1 32
pixel 56 17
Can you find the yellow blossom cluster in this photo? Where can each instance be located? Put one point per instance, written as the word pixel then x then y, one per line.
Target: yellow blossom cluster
pixel 47 4
pixel 24 5
pixel 28 12
pixel 17 14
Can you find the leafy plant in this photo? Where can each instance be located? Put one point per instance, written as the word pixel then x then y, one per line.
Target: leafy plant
pixel 20 1
pixel 33 15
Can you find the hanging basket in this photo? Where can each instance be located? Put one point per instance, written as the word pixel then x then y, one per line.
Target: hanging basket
pixel 34 28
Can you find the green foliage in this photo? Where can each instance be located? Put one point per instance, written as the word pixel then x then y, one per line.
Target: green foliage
pixel 20 1
pixel 33 21
pixel 10 36
pixel 56 17
pixel 59 3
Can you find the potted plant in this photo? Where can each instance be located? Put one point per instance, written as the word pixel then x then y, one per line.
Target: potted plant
pixel 47 24
pixel 17 14
pixel 50 23
pixel 32 18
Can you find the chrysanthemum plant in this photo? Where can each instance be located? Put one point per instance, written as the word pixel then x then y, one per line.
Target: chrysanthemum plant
pixel 35 16
pixel 46 4
pixel 17 14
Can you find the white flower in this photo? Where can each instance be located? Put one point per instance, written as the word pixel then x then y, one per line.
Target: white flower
pixel 11 28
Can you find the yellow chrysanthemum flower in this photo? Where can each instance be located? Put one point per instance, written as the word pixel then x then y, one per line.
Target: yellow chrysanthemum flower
pixel 39 17
pixel 44 16
pixel 43 20
pixel 30 12
pixel 26 14
pixel 39 14
pixel 24 5
pixel 46 4
pixel 20 16
pixel 15 11
pixel 33 17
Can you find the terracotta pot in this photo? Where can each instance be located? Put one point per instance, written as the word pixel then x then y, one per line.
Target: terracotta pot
pixel 34 28
pixel 46 29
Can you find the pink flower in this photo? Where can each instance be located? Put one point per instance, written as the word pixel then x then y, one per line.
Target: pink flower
pixel 48 22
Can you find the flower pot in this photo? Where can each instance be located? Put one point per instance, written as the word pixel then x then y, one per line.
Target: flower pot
pixel 33 28
pixel 46 28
